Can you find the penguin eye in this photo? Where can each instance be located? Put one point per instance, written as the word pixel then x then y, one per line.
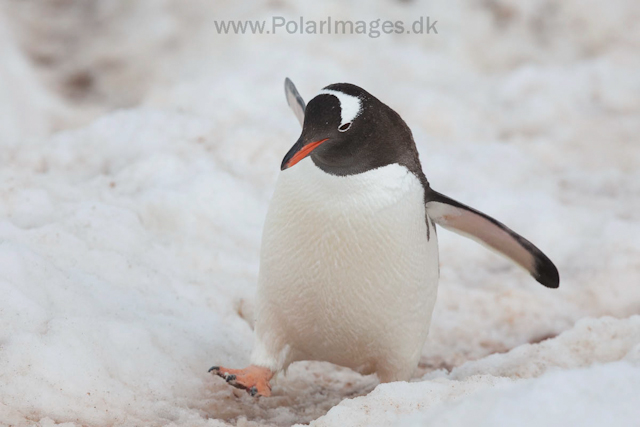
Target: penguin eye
pixel 344 127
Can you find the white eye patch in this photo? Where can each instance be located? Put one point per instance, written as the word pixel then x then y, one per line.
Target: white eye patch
pixel 350 106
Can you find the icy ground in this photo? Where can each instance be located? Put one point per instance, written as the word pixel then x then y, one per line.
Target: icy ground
pixel 129 238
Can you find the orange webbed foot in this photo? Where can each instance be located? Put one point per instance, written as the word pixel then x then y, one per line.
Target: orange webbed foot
pixel 254 379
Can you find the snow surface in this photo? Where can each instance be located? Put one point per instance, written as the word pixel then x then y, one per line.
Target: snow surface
pixel 129 238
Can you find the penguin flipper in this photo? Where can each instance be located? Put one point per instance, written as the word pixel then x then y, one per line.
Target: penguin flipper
pixel 471 223
pixel 295 101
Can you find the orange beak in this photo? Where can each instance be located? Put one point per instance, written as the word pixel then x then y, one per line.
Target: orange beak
pixel 298 153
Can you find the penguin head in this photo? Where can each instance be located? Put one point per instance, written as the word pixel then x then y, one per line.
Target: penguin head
pixel 347 131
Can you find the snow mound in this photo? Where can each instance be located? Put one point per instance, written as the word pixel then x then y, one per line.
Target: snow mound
pixel 586 376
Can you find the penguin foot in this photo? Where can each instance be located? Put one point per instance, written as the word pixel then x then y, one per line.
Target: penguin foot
pixel 254 379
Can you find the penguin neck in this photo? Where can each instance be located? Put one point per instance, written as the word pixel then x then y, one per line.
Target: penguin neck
pixel 315 181
pixel 410 163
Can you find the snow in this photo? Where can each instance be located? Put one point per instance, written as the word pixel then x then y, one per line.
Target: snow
pixel 588 375
pixel 22 95
pixel 129 238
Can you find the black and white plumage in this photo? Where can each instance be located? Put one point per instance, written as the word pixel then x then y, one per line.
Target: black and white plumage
pixel 349 260
pixel 380 138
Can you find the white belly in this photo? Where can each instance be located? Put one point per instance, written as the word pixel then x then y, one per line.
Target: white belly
pixel 347 274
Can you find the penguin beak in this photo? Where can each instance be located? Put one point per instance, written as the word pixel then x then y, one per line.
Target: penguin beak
pixel 298 152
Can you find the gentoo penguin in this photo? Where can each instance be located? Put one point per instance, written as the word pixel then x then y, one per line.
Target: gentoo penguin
pixel 349 259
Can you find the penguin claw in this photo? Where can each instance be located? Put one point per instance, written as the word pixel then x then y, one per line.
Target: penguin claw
pixel 253 379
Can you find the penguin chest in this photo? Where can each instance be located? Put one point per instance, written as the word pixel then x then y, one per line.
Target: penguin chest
pixel 349 268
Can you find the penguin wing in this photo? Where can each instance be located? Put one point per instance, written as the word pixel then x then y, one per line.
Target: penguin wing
pixel 295 101
pixel 461 219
